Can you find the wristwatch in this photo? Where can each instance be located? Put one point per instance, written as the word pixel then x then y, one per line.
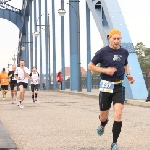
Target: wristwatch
pixel 127 75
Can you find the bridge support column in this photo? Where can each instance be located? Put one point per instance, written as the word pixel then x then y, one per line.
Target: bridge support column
pixel 46 45
pixel 74 44
pixel 41 67
pixel 35 38
pixel 27 39
pixel 88 79
pixel 54 46
pixel 31 35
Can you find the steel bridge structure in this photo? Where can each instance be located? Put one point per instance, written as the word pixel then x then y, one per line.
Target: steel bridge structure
pixel 107 15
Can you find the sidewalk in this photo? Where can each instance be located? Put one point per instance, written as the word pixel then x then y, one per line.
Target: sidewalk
pixel 95 94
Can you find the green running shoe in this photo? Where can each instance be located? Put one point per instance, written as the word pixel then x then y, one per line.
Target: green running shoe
pixel 100 130
pixel 114 146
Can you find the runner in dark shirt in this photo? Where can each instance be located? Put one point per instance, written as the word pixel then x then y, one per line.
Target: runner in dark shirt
pixel 113 67
pixel 13 84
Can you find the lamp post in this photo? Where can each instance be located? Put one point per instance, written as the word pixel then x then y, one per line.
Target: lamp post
pixel 36 34
pixel 62 13
pixel 62 44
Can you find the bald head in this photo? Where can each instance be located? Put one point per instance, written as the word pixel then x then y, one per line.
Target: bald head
pixel 13 67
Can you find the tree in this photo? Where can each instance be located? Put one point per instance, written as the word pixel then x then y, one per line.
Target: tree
pixel 143 55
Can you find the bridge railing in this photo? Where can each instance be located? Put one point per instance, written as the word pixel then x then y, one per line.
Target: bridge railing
pixel 95 82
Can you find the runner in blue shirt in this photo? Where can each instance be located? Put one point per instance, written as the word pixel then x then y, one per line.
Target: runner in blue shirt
pixel 114 65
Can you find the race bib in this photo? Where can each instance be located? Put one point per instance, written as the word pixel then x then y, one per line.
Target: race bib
pixel 22 78
pixel 13 78
pixel 3 80
pixel 34 81
pixel 106 86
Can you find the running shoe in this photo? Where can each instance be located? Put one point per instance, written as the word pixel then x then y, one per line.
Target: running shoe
pixel 114 146
pixel 18 103
pixel 100 130
pixel 21 106
pixel 5 95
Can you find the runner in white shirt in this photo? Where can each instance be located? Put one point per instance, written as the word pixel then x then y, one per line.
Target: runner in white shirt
pixel 35 78
pixel 22 75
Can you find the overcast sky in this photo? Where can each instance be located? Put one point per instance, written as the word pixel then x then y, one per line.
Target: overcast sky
pixel 136 14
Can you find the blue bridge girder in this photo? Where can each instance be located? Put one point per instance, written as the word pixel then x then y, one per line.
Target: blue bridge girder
pixel 4 1
pixel 9 7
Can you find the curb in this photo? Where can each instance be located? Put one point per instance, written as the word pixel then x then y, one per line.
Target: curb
pixel 6 142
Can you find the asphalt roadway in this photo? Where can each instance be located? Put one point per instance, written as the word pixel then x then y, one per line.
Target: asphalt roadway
pixel 66 121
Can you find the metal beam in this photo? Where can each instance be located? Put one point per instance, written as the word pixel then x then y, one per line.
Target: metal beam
pixel 46 45
pixel 89 80
pixel 35 38
pixel 31 35
pixel 41 67
pixel 62 48
pixel 54 46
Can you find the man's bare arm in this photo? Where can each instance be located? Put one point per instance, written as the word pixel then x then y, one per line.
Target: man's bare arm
pixel 109 71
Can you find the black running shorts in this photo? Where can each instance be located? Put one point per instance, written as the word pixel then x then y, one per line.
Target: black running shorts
pixel 34 87
pixel 105 98
pixel 4 87
pixel 25 85
pixel 12 86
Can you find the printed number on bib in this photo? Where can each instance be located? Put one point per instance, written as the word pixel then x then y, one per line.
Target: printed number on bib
pixel 13 78
pixel 106 86
pixel 3 80
pixel 34 81
pixel 22 78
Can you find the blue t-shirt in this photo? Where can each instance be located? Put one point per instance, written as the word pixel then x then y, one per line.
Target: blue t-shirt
pixel 108 57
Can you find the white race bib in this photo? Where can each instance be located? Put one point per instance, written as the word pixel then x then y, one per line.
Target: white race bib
pixel 13 78
pixel 21 79
pixel 106 86
pixel 34 81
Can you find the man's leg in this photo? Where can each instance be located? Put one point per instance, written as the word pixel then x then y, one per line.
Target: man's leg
pixel 33 96
pixel 2 89
pixel 21 94
pixel 24 89
pixel 104 104
pixel 117 124
pixel 104 120
pixel 25 85
pixel 36 91
pixel 118 101
pixel 12 92
pixel 32 89
pixel 6 90
pixel 12 95
pixel 15 92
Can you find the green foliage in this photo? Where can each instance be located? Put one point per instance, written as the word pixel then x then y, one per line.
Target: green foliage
pixel 143 54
